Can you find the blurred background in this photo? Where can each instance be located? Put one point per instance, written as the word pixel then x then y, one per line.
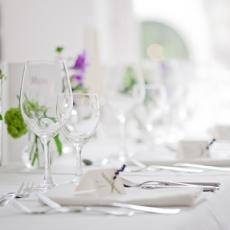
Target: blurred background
pixel 183 46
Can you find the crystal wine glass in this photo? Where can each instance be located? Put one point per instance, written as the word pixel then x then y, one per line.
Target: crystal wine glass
pixel 46 103
pixel 81 125
pixel 152 112
pixel 124 90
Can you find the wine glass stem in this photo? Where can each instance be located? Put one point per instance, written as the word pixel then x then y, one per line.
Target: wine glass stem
pixel 48 181
pixel 78 151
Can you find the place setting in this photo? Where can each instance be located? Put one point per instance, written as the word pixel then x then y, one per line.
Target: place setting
pixel 77 115
pixel 114 115
pixel 103 189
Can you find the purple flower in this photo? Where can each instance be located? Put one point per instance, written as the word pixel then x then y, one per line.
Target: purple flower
pixel 81 62
pixel 78 78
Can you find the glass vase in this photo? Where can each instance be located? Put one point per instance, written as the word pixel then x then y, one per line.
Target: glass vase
pixel 32 154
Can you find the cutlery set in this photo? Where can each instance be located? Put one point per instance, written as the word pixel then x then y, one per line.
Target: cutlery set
pixel 115 209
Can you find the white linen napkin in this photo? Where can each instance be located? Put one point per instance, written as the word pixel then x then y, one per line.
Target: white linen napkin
pixel 67 195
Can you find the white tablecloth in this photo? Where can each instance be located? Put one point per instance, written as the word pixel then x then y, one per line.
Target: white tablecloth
pixel 212 214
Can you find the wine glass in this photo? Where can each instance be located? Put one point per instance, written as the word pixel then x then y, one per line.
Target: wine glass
pixel 124 90
pixel 152 112
pixel 46 103
pixel 82 125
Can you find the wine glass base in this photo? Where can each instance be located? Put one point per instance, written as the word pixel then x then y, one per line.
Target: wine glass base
pixel 44 186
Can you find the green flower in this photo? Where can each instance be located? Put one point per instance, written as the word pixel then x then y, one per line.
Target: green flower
pixel 59 49
pixel 16 126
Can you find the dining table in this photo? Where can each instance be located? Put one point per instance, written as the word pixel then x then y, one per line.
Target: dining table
pixel 212 213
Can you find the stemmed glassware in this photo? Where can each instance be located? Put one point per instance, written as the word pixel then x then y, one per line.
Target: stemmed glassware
pixel 124 89
pixel 152 113
pixel 46 103
pixel 82 125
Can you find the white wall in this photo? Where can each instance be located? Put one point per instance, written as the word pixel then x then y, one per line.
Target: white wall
pixel 31 29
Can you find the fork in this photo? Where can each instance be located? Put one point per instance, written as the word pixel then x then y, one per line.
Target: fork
pixel 207 187
pixel 91 210
pixel 156 210
pixel 23 191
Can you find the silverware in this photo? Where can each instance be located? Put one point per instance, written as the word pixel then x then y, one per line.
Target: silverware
pixel 141 167
pixel 175 168
pixel 23 191
pixel 52 204
pixel 155 210
pixel 98 210
pixel 204 167
pixel 206 186
pixel 90 210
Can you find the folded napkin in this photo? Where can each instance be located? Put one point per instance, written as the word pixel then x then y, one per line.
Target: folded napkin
pixel 67 195
pixel 192 149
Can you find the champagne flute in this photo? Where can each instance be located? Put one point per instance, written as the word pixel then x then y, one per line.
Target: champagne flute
pixel 82 125
pixel 124 89
pixel 46 103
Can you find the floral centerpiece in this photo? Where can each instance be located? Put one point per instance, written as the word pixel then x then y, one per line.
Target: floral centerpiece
pixel 16 126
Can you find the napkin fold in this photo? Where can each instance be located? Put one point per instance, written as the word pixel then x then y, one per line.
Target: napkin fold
pixel 66 195
pixel 101 182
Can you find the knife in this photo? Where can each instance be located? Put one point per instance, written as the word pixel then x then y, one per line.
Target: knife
pixel 149 209
pixel 199 166
pixel 52 204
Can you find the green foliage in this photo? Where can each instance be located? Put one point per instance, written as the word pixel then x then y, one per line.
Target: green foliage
pixel 59 49
pixel 2 75
pixel 58 144
pixel 80 88
pixel 34 152
pixel 33 109
pixel 129 80
pixel 16 126
pixel 1 117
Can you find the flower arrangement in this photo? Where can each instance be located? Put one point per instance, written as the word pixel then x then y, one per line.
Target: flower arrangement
pixel 77 70
pixel 78 73
pixel 13 119
pixel 17 128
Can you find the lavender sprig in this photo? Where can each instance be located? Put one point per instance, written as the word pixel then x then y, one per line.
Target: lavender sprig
pixel 117 172
pixel 79 70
